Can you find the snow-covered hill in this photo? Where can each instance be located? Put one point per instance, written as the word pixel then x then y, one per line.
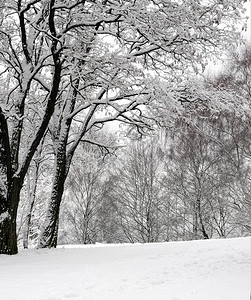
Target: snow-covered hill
pixel 196 270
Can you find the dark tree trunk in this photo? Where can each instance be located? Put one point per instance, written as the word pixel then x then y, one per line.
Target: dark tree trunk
pixel 205 235
pixel 8 215
pixel 200 220
pixel 31 199
pixel 8 237
pixel 9 194
pixel 32 188
pixel 49 233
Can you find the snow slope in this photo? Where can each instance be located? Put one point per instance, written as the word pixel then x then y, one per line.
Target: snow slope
pixel 196 270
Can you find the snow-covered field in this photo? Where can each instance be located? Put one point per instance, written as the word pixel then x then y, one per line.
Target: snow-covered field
pixel 196 270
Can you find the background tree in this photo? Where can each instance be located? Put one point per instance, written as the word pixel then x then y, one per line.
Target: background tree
pixel 179 185
pixel 79 222
pixel 235 77
pixel 137 193
pixel 204 166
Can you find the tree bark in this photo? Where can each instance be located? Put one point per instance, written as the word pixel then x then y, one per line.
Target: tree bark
pixel 9 193
pixel 8 215
pixel 49 233
pixel 31 198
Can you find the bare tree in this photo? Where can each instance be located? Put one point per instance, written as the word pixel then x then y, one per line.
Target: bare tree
pixel 235 77
pixel 205 164
pixel 79 222
pixel 136 192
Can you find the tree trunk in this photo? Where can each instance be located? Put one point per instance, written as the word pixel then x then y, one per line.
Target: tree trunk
pixel 31 199
pixel 8 236
pixel 49 233
pixel 200 219
pixel 32 188
pixel 8 216
pixel 205 235
pixel 9 193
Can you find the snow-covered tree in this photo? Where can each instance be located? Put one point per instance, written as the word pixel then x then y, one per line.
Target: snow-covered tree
pixel 84 58
pixel 123 46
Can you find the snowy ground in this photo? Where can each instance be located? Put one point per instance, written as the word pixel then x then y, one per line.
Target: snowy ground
pixel 197 270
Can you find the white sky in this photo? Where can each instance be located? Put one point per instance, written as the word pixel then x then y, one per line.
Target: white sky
pixel 248 32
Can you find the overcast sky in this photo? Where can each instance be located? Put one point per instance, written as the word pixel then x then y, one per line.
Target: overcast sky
pixel 248 32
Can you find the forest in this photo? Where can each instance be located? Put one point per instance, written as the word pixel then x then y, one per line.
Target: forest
pixel 123 121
